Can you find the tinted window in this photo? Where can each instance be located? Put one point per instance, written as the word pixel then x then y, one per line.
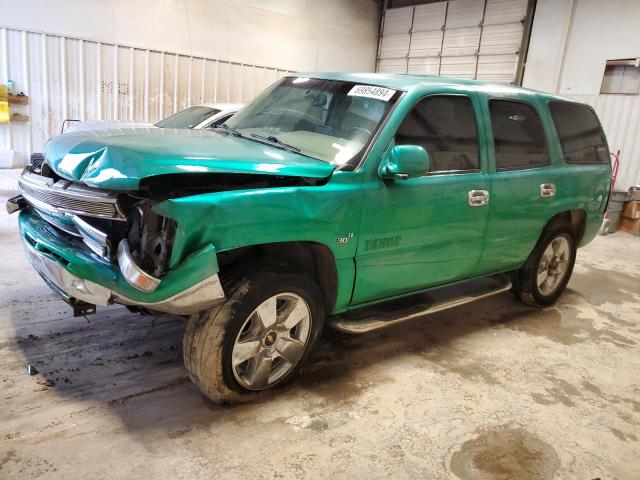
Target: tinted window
pixel 517 135
pixel 581 136
pixel 445 126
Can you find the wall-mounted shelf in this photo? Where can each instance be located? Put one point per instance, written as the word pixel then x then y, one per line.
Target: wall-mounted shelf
pixel 17 117
pixel 18 99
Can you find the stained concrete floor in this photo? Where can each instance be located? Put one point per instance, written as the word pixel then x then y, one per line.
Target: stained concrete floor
pixel 491 390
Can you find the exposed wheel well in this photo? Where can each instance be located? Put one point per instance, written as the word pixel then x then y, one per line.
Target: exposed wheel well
pixel 315 259
pixel 575 218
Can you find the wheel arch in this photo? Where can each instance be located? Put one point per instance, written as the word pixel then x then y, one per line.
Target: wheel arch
pixel 576 219
pixel 313 258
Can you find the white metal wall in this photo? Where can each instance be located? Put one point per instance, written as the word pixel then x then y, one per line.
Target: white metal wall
pixel 478 39
pixel 571 42
pixel 74 78
pixel 620 118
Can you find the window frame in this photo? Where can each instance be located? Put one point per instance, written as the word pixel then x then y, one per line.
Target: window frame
pixel 218 121
pixel 627 62
pixel 557 133
pixel 478 126
pixel 361 165
pixel 493 140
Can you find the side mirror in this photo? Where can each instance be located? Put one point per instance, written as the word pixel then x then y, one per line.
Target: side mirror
pixel 404 162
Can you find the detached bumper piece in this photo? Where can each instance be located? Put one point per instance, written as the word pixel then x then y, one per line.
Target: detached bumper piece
pixel 201 296
pixel 84 281
pixel 82 295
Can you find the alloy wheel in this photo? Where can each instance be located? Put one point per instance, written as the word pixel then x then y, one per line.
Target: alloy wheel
pixel 553 265
pixel 271 341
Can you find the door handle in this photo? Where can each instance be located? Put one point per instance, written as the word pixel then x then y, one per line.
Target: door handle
pixel 478 198
pixel 548 190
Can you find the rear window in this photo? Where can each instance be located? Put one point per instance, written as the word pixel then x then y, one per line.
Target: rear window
pixel 580 133
pixel 517 135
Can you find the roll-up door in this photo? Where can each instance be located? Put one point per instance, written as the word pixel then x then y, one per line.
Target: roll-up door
pixel 478 39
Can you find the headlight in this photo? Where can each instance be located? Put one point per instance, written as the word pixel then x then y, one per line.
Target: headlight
pixel 150 239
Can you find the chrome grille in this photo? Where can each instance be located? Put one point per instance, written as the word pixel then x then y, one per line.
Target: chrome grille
pixel 44 193
pixel 95 239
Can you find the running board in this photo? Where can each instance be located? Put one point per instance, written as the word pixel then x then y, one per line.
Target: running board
pixel 393 312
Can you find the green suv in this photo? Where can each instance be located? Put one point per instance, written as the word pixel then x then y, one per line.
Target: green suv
pixel 324 198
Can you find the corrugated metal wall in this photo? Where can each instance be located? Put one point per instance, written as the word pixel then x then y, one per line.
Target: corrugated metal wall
pixel 481 39
pixel 74 78
pixel 459 38
pixel 620 117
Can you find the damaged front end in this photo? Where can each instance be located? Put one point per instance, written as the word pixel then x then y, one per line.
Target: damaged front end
pixel 97 247
pixel 95 222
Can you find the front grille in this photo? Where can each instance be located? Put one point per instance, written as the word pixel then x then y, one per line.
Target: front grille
pixel 43 192
pixel 97 240
pixel 37 159
pixel 97 248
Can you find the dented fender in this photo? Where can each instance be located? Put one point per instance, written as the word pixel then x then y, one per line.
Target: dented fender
pixel 239 218
pixel 327 214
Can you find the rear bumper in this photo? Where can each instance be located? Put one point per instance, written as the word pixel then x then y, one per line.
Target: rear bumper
pixel 78 274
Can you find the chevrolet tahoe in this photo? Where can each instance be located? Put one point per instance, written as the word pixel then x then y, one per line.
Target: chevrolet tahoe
pixel 325 198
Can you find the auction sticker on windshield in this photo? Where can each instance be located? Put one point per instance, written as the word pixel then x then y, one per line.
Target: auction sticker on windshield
pixel 369 91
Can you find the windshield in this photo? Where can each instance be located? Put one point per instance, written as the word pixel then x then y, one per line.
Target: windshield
pixel 187 118
pixel 325 119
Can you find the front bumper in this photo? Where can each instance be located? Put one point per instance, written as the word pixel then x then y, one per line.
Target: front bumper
pixel 77 274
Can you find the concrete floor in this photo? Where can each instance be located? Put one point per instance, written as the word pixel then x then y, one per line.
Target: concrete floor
pixel 491 390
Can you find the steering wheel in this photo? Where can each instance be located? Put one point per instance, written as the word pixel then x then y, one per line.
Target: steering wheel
pixel 355 131
pixel 289 112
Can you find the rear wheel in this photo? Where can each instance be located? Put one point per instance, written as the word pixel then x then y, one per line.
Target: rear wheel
pixel 545 274
pixel 258 339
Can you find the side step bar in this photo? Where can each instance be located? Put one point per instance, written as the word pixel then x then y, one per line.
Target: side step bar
pixel 393 312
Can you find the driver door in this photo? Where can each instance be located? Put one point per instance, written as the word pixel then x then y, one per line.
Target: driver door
pixel 426 231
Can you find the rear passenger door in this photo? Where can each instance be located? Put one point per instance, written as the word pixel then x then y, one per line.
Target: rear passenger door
pixel 523 181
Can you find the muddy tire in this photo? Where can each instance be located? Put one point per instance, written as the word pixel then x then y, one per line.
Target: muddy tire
pixel 259 338
pixel 545 274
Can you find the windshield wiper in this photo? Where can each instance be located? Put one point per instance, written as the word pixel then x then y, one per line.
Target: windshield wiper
pixel 276 141
pixel 228 129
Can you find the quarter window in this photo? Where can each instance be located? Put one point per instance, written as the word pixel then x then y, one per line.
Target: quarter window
pixel 518 136
pixel 445 126
pixel 580 133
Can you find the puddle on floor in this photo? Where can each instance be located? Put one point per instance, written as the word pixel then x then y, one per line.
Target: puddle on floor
pixel 505 454
pixel 598 286
pixel 563 325
pixel 550 323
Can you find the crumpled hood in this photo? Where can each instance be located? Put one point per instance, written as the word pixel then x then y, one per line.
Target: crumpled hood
pixel 117 159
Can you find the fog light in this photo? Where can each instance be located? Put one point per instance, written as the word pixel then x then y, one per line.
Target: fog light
pixel 132 273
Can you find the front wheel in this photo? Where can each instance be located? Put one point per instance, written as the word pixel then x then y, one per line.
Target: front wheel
pixel 545 274
pixel 258 339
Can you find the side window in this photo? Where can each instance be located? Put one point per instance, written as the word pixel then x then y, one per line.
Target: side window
pixel 518 136
pixel 580 133
pixel 445 126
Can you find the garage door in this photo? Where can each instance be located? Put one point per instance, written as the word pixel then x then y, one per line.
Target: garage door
pixel 478 39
